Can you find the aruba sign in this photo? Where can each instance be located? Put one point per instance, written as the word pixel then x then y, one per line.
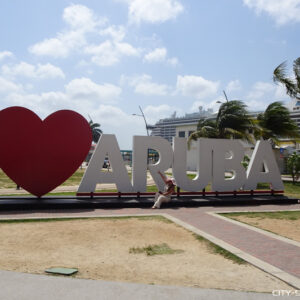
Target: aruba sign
pixel 40 155
pixel 215 157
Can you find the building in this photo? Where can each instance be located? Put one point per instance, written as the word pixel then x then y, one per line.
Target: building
pixel 184 126
pixel 294 108
pixel 166 128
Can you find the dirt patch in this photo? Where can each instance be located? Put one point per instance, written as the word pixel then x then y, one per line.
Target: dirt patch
pixel 286 228
pixel 99 248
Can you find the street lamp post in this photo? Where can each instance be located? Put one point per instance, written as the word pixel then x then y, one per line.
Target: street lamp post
pixel 225 98
pixel 142 115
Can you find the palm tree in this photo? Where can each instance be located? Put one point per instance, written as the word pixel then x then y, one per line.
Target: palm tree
pixel 233 121
pixel 96 131
pixel 206 128
pixel 276 123
pixel 292 85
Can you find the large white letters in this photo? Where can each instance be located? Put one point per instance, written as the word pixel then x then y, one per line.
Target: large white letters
pixel 107 145
pixel 204 171
pixel 263 158
pixel 227 156
pixel 141 144
pixel 214 158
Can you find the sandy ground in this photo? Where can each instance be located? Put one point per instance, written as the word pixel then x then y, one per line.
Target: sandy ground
pixel 286 228
pixel 100 249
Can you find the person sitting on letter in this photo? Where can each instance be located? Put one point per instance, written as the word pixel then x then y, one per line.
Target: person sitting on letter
pixel 161 197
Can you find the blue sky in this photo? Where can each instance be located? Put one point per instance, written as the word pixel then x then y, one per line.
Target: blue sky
pixel 105 58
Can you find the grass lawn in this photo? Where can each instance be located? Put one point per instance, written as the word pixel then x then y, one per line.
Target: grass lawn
pixel 149 250
pixel 283 223
pixel 278 215
pixel 291 190
pixel 6 182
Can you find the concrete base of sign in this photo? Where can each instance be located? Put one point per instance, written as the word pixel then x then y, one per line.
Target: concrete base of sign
pixel 69 202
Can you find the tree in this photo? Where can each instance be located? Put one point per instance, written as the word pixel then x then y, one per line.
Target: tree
pixel 291 84
pixel 293 166
pixel 245 162
pixel 96 131
pixel 233 121
pixel 276 123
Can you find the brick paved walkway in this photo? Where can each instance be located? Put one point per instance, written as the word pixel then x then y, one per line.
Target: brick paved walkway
pixel 270 250
pixel 275 252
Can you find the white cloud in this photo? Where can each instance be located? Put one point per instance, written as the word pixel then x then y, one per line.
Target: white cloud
pixel 117 33
pixel 153 11
pixel 81 95
pixel 160 55
pixel 154 113
pixel 263 93
pixel 103 54
pixel 54 47
pixel 114 120
pixel 40 71
pixel 126 49
pixel 7 86
pixel 87 98
pixel 211 105
pixel 195 106
pixel 260 89
pixel 80 17
pixel 157 55
pixel 172 61
pixel 85 89
pixel 5 54
pixel 144 85
pixel 108 115
pixel 280 93
pixel 80 20
pixel 43 104
pixel 81 26
pixel 233 86
pixel 61 46
pixel 84 96
pixel 196 86
pixel 109 52
pixel 282 11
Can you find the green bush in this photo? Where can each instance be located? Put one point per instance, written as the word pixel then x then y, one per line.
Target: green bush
pixel 293 166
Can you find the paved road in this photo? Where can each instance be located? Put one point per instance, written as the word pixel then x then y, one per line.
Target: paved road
pixel 20 286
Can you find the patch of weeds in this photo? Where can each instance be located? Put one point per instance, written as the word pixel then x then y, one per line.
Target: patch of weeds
pixel 155 218
pixel 155 250
pixel 219 250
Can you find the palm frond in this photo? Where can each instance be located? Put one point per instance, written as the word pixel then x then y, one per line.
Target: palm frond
pixel 96 131
pixel 232 133
pixel 296 68
pixel 280 76
pixel 279 73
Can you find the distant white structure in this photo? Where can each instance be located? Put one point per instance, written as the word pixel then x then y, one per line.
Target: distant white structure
pixel 166 128
pixel 185 126
pixel 294 108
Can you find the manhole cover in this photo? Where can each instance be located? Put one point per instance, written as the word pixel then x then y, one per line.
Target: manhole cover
pixel 62 271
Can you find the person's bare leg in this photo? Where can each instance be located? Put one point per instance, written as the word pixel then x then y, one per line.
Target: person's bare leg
pixel 161 199
pixel 155 199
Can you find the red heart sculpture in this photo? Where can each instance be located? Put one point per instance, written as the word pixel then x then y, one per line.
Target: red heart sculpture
pixel 40 155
